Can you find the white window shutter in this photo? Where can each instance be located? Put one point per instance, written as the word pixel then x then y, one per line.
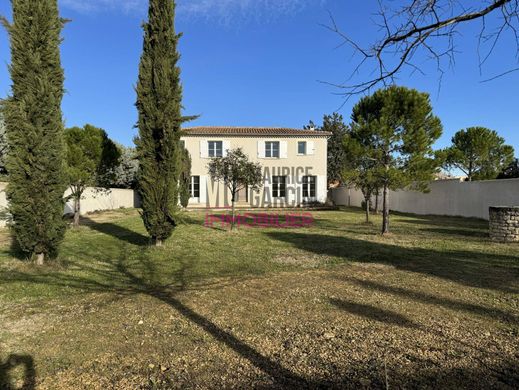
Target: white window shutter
pixel 226 147
pixel 261 149
pixel 321 189
pixel 204 149
pixel 203 189
pixel 310 146
pixel 283 149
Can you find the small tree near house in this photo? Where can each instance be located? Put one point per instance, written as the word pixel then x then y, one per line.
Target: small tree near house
pixel 236 172
pixel 91 157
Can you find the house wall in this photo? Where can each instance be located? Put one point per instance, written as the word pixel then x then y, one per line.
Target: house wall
pixel 446 197
pixel 291 165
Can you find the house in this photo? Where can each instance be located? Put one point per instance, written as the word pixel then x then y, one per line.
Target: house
pixel 294 164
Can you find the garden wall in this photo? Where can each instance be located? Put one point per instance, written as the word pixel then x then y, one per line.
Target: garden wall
pixel 93 200
pixel 446 197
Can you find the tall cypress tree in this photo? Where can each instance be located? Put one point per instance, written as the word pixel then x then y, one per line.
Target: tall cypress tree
pixel 35 127
pixel 159 102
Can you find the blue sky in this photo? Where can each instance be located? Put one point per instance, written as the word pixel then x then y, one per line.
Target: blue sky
pixel 257 63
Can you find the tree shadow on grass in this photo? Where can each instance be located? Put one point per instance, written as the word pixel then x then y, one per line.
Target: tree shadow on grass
pixel 440 220
pixel 125 277
pixel 457 232
pixel 117 231
pixel 373 313
pixel 431 299
pixel 12 362
pixel 474 269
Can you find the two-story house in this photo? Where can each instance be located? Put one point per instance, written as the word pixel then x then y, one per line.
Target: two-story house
pixel 294 164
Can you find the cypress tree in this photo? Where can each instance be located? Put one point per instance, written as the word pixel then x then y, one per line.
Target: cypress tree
pixel 35 128
pixel 159 103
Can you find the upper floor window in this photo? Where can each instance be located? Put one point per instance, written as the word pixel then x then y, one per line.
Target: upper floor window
pixel 301 147
pixel 182 144
pixel 215 148
pixel 272 149
pixel 309 186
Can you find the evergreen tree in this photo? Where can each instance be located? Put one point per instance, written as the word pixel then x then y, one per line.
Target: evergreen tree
pixel 336 155
pixel 478 152
pixel 159 102
pixel 511 171
pixel 360 166
pixel 125 173
pixel 35 128
pixel 398 127
pixel 185 178
pixel 3 144
pixel 91 160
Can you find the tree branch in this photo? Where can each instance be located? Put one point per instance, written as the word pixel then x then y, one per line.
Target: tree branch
pixel 417 27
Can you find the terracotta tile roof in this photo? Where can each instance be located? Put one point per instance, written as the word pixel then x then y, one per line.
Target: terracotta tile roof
pixel 253 131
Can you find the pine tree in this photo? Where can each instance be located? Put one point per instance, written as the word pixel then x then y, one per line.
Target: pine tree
pixel 397 128
pixel 35 128
pixel 159 102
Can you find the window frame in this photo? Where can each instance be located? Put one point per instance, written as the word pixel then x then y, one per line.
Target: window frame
pixel 279 187
pixel 305 143
pixel 309 186
pixel 193 184
pixel 213 152
pixel 270 149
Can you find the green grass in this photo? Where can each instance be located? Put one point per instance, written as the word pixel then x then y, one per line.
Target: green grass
pixel 244 295
pixel 112 253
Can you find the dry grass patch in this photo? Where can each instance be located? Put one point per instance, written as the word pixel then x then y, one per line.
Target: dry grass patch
pixel 332 306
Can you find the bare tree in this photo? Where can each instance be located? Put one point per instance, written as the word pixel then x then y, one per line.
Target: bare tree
pixel 426 28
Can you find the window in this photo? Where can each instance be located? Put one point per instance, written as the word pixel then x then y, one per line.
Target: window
pixel 301 147
pixel 279 186
pixel 309 186
pixel 215 148
pixel 194 187
pixel 272 149
pixel 182 144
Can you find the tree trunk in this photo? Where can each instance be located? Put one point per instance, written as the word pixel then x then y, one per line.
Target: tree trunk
pixel 385 217
pixel 376 202
pixel 367 209
pixel 158 242
pixel 232 212
pixel 77 211
pixel 40 258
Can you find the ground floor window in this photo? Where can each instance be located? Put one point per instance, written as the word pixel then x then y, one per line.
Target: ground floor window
pixel 194 187
pixel 279 184
pixel 309 186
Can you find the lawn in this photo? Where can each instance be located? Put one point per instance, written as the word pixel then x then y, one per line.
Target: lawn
pixel 332 305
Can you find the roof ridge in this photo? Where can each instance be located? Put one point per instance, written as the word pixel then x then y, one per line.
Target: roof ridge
pixel 251 131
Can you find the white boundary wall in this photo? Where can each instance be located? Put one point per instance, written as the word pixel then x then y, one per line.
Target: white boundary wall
pixel 93 200
pixel 101 200
pixel 446 197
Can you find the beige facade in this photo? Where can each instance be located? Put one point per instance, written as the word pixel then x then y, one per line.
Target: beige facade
pixel 293 161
